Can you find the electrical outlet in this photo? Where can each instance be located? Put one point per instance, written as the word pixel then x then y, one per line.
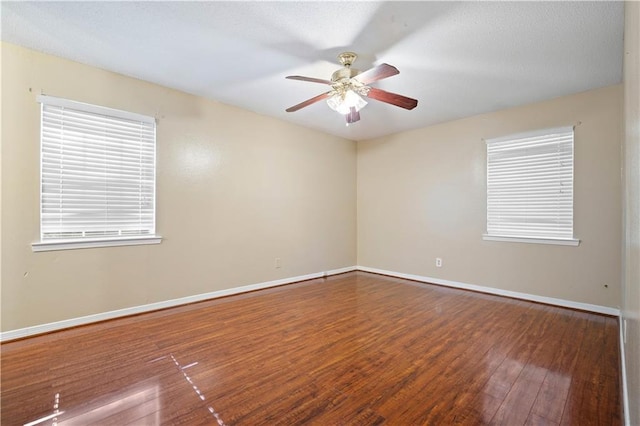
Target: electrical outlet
pixel 438 262
pixel 278 263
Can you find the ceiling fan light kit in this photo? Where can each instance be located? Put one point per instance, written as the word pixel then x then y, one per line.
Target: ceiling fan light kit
pixel 343 102
pixel 348 86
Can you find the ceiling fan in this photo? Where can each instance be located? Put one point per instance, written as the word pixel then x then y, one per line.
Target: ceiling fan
pixel 348 85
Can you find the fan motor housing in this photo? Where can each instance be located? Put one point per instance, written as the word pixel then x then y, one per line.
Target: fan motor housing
pixel 344 73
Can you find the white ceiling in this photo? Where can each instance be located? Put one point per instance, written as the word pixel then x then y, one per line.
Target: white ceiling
pixel 457 58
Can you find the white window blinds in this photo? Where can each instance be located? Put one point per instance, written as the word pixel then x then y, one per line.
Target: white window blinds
pixel 530 185
pixel 97 172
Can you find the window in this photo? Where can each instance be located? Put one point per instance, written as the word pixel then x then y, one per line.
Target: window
pixel 97 176
pixel 530 187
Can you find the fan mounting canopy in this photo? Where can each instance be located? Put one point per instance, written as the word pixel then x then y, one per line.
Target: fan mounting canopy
pixel 347 58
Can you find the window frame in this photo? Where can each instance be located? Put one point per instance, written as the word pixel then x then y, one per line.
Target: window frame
pixel 100 241
pixel 533 239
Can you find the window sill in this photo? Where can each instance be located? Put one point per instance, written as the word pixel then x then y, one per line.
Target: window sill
pixel 571 242
pixel 93 243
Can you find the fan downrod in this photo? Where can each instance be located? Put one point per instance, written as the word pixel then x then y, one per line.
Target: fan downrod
pixel 346 73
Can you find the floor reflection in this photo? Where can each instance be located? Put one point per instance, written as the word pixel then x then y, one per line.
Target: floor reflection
pixel 143 404
pixel 182 369
pixel 53 417
pixel 513 382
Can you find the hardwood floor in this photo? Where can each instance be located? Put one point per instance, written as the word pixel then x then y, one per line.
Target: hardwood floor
pixel 354 349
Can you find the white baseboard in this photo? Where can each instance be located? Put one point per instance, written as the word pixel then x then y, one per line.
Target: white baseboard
pixel 623 372
pixel 74 322
pixel 497 291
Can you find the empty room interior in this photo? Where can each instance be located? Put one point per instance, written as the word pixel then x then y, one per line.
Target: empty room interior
pixel 331 213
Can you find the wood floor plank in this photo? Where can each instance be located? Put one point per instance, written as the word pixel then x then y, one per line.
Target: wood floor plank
pixel 551 397
pixel 536 420
pixel 594 381
pixel 356 348
pixel 516 406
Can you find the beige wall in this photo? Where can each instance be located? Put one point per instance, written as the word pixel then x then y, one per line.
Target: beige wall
pixel 422 194
pixel 235 190
pixel 631 290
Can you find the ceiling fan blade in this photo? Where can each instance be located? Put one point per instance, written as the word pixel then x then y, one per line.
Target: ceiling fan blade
pixel 392 98
pixel 377 73
pixel 309 102
pixel 311 79
pixel 353 116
